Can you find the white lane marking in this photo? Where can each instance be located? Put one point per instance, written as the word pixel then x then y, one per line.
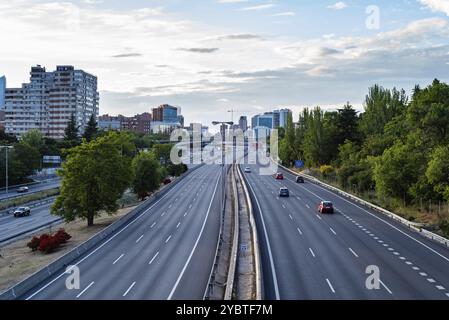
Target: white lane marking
pixel 311 251
pixel 431 280
pixel 440 288
pixel 270 254
pixel 139 239
pixel 81 293
pixel 163 214
pixel 177 226
pixel 353 252
pixel 415 268
pixel 129 289
pixel 402 258
pixel 308 207
pixel 121 256
pixel 330 285
pixel 283 206
pixel 168 239
pixel 190 206
pixel 386 288
pixel 319 217
pixel 196 243
pixel 423 274
pixel 390 249
pixel 299 230
pixel 384 221
pixel 447 294
pixel 154 257
pixel 154 223
pixel 408 263
pixel 298 198
pixel 333 231
pixel 185 214
pixel 291 218
pixel 107 241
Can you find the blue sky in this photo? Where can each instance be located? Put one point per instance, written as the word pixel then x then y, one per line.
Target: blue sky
pixel 211 55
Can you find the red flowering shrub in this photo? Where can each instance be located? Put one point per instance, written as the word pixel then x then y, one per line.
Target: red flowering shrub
pixel 48 243
pixel 34 244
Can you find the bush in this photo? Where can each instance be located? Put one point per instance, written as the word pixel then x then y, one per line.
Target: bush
pixel 326 170
pixel 34 244
pixel 48 243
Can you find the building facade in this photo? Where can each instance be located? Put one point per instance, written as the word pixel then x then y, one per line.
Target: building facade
pixel 107 122
pixel 281 117
pixel 2 92
pixel 49 100
pixel 243 123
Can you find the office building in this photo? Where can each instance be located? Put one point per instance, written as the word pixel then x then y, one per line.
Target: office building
pixel 243 123
pixel 281 117
pixel 2 92
pixel 49 100
pixel 166 118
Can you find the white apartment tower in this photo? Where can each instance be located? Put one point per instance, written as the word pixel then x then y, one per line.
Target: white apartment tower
pixel 48 101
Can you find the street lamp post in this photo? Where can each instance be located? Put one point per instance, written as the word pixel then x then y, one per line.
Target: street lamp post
pixel 6 169
pixel 223 132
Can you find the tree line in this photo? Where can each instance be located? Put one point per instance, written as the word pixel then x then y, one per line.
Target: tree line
pixel 398 147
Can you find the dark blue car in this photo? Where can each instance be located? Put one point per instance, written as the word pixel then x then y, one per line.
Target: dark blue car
pixel 283 192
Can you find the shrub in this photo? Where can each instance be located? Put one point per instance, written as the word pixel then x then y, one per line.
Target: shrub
pixel 48 244
pixel 326 170
pixel 62 236
pixel 34 244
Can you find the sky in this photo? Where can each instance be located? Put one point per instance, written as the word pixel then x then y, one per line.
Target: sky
pixel 211 56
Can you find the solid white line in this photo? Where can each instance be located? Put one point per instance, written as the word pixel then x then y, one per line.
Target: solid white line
pixel 299 230
pixel 270 254
pixel 118 258
pixel 107 241
pixel 129 289
pixel 311 251
pixel 139 239
pixel 196 243
pixel 386 288
pixel 330 285
pixel 168 239
pixel 154 257
pixel 353 252
pixel 333 231
pixel 154 223
pixel 81 293
pixel 386 222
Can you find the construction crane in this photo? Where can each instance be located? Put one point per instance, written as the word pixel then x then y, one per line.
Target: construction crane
pixel 232 111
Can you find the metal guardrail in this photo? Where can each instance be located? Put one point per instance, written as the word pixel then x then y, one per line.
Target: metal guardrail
pixel 252 221
pixel 57 266
pixel 418 227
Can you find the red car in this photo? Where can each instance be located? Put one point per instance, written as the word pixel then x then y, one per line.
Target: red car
pixel 167 181
pixel 279 176
pixel 326 207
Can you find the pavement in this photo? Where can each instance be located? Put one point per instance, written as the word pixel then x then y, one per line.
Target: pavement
pixel 167 252
pixel 306 255
pixel 12 192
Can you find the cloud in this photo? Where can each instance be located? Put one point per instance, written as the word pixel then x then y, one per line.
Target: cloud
pixel 127 55
pixel 338 6
pixel 240 36
pixel 285 14
pixel 437 5
pixel 199 50
pixel 231 1
pixel 258 7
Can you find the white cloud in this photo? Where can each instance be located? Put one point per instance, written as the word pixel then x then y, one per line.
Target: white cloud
pixel 437 5
pixel 338 6
pixel 285 14
pixel 258 7
pixel 231 1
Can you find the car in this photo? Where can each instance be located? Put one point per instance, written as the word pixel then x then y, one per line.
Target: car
pixel 22 212
pixel 299 179
pixel 283 192
pixel 22 189
pixel 247 170
pixel 279 176
pixel 326 207
pixel 167 180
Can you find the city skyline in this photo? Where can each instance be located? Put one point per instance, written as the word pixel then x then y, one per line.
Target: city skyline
pixel 246 55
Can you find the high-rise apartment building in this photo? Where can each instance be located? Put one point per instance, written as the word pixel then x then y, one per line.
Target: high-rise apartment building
pixel 243 123
pixel 281 117
pixel 2 92
pixel 49 100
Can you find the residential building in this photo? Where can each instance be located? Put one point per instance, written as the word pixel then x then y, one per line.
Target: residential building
pixel 281 117
pixel 166 118
pixel 107 122
pixel 49 100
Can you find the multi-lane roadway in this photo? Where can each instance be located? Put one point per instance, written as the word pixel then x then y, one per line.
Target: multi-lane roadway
pixel 167 252
pixel 306 255
pixel 47 185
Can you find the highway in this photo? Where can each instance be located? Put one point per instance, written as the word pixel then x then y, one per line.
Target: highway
pixel 167 252
pixel 11 227
pixel 310 256
pixel 12 193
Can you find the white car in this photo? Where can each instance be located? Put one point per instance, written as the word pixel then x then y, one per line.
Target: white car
pixel 247 170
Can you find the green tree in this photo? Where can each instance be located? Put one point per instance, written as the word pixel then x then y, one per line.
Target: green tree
pixel 71 133
pixel 437 171
pixel 148 174
pixel 94 177
pixel 34 138
pixel 91 130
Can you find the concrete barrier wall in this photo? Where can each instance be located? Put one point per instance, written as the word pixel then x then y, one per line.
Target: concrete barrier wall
pixel 58 266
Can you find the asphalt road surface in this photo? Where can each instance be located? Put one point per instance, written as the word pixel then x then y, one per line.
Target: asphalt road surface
pixel 11 227
pixel 165 253
pixel 12 193
pixel 306 255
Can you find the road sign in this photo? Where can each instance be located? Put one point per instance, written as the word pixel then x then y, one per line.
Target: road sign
pixel 299 164
pixel 51 159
